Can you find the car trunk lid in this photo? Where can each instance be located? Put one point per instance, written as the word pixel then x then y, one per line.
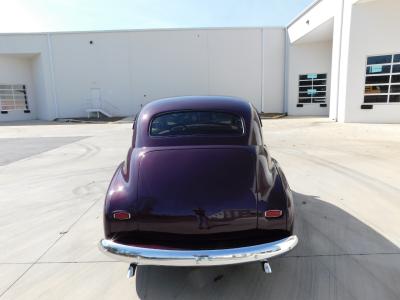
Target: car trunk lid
pixel 189 190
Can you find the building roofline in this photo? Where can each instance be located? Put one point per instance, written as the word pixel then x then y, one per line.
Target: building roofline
pixel 141 30
pixel 303 12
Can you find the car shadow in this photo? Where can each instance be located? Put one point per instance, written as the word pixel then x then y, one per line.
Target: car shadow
pixel 338 257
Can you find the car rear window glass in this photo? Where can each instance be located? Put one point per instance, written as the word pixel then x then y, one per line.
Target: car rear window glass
pixel 196 123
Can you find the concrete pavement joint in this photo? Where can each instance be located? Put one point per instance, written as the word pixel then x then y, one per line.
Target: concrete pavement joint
pixel 116 261
pixel 48 249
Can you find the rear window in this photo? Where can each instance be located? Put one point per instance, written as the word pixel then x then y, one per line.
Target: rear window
pixel 196 123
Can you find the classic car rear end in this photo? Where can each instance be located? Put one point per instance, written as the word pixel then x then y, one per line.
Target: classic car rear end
pixel 198 188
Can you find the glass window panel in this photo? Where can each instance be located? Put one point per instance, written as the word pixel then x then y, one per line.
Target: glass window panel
pixel 395 88
pixel 394 98
pixel 396 69
pixel 305 94
pixel 321 76
pixel 13 97
pixel 395 78
pixel 305 82
pixel 396 58
pixel 319 82
pixel 305 100
pixel 302 77
pixel 303 88
pixel 377 79
pixel 318 100
pixel 381 59
pixel 378 69
pixel 375 99
pixel 320 88
pixel 376 89
pixel 196 123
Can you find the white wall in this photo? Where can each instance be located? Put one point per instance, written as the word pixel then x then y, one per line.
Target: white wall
pixel 17 69
pixel 235 63
pixel 274 40
pixel 374 31
pixel 134 67
pixel 131 68
pixel 319 14
pixel 307 58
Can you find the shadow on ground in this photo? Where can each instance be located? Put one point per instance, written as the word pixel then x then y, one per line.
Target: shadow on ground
pixel 338 257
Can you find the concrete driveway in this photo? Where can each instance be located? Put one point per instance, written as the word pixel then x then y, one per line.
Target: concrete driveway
pixel 346 182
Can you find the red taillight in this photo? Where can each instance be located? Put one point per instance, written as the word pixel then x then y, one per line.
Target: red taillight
pixel 121 215
pixel 273 213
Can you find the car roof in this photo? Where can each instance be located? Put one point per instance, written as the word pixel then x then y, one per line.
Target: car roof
pixel 224 103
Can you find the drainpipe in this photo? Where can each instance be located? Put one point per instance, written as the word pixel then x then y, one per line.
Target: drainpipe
pixel 340 60
pixel 286 73
pixel 53 82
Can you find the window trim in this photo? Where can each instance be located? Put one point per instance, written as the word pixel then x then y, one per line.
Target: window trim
pixel 388 84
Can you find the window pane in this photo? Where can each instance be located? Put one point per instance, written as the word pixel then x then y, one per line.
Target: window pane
pixel 303 77
pixel 395 88
pixel 376 89
pixel 394 98
pixel 196 123
pixel 375 99
pixel 381 59
pixel 320 88
pixel 377 79
pixel 378 69
pixel 305 100
pixel 318 100
pixel 305 82
pixel 396 58
pixel 396 69
pixel 312 76
pixel 319 82
pixel 317 88
pixel 303 88
pixel 395 78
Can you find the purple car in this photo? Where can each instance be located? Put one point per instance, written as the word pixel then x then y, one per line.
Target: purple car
pixel 198 188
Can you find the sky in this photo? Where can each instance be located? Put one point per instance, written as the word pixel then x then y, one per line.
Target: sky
pixel 81 15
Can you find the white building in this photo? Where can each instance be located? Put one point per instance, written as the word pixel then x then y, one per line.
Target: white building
pixel 339 58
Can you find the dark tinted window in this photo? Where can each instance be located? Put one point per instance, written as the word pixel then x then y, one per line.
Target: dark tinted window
pixel 377 79
pixel 396 69
pixel 381 59
pixel 196 123
pixel 395 88
pixel 394 98
pixel 395 78
pixel 374 99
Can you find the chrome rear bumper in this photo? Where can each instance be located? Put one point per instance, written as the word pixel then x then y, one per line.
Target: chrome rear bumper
pixel 161 257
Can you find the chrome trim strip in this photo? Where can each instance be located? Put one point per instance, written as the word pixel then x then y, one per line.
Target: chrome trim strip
pixel 162 257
